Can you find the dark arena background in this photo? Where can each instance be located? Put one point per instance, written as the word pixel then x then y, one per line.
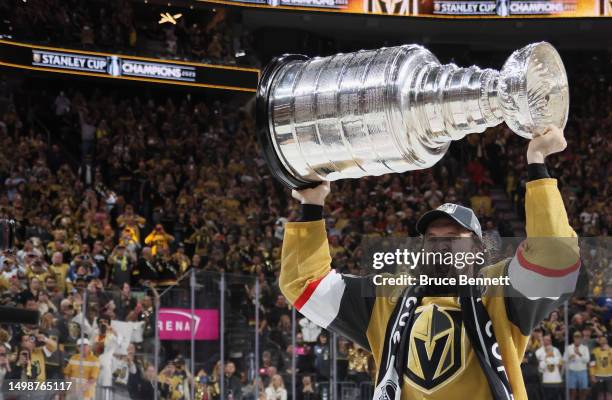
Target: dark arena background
pixel 149 229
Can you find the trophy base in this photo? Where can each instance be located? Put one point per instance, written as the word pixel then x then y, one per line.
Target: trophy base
pixel 278 170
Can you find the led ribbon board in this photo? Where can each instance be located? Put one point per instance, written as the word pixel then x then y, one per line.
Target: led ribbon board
pixel 113 66
pixel 435 8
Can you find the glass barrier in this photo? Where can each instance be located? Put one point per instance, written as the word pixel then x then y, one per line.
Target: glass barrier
pixel 218 336
pixel 239 334
pixel 352 366
pixel 207 327
pixel 177 322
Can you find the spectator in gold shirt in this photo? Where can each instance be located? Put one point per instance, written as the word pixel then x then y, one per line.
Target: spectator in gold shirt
pixel 358 364
pixel 181 260
pixel 481 203
pixel 170 383
pixel 131 220
pixel 82 370
pixel 37 269
pixel 59 269
pixel 158 238
pixel 601 369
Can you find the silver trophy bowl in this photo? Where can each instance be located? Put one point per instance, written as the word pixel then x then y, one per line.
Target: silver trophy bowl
pixel 395 109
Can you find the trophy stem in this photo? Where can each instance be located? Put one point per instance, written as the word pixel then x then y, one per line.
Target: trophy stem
pixel 459 101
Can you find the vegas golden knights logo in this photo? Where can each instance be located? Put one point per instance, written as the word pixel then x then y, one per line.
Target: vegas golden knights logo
pixel 435 354
pixel 397 7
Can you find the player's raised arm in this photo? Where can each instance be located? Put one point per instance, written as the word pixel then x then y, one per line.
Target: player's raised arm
pixel 331 300
pixel 546 265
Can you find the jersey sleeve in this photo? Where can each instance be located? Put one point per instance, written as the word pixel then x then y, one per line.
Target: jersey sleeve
pixel 334 301
pixel 545 267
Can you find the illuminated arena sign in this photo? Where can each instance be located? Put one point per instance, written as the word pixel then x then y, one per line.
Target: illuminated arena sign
pixel 435 8
pixel 113 65
pixel 502 7
pixel 49 59
pixel 69 61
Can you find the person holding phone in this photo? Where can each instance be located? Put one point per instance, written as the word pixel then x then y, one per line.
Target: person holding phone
pixel 34 349
pixel 105 343
pixel 158 239
pixel 24 369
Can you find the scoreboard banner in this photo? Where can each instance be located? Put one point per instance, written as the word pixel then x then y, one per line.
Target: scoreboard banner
pixel 509 8
pixel 102 65
pixel 435 8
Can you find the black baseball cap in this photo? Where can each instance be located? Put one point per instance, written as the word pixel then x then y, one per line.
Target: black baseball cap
pixel 464 216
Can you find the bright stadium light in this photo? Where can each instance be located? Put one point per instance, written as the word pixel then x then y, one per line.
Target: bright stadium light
pixel 167 17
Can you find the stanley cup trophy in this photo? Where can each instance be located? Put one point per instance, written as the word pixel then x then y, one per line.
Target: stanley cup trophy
pixel 395 109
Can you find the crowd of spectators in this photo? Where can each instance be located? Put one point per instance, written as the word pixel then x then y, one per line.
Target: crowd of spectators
pixel 167 185
pixel 201 35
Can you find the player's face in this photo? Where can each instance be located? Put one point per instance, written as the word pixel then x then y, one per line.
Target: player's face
pixel 446 236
